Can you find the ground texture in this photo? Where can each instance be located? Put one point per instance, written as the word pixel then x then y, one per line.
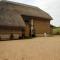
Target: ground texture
pixel 40 48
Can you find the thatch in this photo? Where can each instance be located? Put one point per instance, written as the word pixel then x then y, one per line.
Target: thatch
pixel 11 19
pixel 28 10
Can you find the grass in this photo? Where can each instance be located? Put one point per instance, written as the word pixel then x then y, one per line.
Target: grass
pixel 56 31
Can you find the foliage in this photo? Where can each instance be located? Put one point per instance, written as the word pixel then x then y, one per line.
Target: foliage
pixel 56 31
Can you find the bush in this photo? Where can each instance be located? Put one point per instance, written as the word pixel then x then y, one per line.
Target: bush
pixel 56 31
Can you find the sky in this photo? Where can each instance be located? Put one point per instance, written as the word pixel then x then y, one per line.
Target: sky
pixel 50 6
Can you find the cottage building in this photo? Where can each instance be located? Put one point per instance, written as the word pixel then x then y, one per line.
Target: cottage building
pixel 18 17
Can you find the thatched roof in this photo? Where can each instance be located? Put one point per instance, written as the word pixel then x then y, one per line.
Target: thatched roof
pixel 11 19
pixel 24 9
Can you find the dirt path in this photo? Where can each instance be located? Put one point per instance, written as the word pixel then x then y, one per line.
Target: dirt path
pixel 41 48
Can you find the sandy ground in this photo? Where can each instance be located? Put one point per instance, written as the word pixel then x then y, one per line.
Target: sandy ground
pixel 40 48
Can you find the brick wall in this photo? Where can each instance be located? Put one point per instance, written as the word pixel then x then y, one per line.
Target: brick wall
pixel 41 26
pixel 27 30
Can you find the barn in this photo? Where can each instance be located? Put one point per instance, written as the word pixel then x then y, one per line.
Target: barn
pixel 22 19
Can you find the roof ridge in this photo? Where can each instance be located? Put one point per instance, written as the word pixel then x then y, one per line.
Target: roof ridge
pixel 22 4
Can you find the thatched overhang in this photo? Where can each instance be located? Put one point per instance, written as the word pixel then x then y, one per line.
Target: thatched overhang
pixel 10 20
pixel 24 9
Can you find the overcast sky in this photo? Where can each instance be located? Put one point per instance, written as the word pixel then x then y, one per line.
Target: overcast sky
pixel 50 6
